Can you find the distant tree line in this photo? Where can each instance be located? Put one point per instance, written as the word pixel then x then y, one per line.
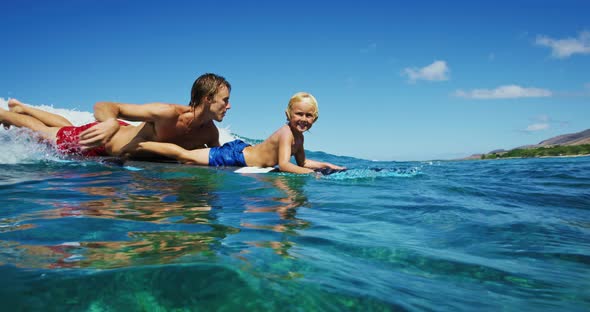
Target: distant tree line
pixel 558 150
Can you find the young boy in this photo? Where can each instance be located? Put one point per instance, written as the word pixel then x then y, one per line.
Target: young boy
pixel 287 141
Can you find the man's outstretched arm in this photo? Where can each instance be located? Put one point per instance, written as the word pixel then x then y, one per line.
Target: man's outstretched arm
pixel 108 112
pixel 104 111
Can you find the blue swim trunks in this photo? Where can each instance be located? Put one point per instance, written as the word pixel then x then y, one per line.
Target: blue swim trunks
pixel 229 154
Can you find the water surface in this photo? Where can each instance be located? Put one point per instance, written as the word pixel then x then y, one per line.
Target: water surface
pixel 445 236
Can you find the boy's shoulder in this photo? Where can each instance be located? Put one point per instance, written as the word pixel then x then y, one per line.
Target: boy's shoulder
pixel 280 134
pixel 285 131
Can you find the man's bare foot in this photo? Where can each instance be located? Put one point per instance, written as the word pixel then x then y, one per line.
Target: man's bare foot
pixel 16 106
pixel 5 125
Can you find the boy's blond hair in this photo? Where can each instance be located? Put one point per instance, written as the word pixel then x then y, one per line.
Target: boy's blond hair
pixel 299 97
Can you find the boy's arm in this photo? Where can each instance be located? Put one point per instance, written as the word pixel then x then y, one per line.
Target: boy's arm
pixel 198 157
pixel 285 156
pixel 309 163
pixel 108 112
pixel 313 164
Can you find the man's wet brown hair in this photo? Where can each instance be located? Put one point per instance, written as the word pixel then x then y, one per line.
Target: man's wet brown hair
pixel 206 86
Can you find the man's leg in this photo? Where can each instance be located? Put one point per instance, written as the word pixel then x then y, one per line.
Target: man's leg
pixel 47 118
pixel 25 121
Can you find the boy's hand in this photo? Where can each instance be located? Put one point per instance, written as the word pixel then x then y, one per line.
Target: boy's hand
pixel 332 166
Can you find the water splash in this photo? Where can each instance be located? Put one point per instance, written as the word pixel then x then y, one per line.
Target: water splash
pixel 372 173
pixel 20 146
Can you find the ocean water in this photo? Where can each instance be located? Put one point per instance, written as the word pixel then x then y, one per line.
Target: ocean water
pixel 84 235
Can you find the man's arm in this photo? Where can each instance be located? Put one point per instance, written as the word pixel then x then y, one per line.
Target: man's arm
pixel 198 157
pixel 104 111
pixel 108 112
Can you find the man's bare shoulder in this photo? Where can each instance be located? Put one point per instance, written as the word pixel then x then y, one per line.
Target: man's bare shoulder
pixel 168 111
pixel 178 109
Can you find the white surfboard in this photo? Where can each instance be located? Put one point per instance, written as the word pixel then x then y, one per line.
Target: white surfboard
pixel 255 170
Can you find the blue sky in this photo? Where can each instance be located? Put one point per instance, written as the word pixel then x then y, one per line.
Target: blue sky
pixel 394 80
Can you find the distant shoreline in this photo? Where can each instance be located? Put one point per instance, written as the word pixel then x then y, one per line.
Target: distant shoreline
pixel 565 145
pixel 500 158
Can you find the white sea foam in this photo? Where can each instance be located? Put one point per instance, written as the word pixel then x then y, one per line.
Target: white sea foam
pixel 21 146
pixel 372 173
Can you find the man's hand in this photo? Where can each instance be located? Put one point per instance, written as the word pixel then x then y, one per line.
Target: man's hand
pixel 99 134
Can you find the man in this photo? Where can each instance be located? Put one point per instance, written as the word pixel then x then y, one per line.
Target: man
pixel 188 126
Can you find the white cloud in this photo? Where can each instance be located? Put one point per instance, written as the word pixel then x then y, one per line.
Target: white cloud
pixel 503 92
pixel 537 127
pixel 562 48
pixel 540 122
pixel 544 122
pixel 437 71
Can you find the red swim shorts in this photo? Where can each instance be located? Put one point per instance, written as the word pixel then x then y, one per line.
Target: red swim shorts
pixel 68 138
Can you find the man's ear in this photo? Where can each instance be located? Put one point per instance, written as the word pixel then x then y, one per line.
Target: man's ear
pixel 287 114
pixel 206 101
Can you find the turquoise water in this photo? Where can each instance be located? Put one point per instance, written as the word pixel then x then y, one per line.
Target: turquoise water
pixel 443 236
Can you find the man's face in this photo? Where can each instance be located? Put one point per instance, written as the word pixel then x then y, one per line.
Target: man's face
pixel 220 103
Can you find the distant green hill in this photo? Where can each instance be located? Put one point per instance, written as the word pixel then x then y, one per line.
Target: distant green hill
pixel 559 150
pixel 563 145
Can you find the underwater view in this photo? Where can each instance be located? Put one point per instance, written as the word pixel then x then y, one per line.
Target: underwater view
pixel 450 143
pixel 412 236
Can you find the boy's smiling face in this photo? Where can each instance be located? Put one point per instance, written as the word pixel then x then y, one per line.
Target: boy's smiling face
pixel 303 115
